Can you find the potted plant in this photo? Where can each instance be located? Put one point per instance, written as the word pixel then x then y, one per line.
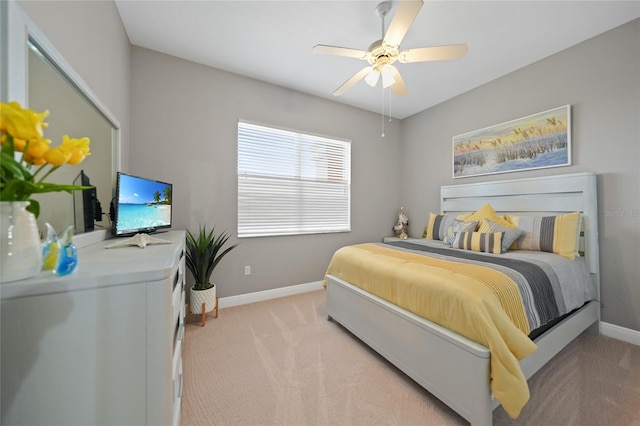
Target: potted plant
pixel 204 251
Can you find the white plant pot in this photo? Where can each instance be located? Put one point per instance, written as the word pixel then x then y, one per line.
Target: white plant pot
pixel 198 297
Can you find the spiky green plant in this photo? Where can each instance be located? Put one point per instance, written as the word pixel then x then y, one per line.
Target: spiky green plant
pixel 204 252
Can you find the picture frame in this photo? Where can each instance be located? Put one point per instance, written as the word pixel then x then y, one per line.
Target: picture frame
pixel 537 141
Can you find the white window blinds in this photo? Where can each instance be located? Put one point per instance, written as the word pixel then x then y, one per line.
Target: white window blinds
pixel 291 183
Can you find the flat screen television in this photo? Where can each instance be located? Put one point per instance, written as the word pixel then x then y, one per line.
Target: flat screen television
pixel 141 205
pixel 86 207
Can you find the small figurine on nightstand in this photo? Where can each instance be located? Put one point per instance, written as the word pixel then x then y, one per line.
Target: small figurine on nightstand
pixel 402 224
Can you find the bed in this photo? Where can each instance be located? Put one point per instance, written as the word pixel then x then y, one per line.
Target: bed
pixel 452 367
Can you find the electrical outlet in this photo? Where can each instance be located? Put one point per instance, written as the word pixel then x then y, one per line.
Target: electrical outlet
pixel 247 270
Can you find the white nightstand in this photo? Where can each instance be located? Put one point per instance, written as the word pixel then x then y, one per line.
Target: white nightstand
pixel 390 239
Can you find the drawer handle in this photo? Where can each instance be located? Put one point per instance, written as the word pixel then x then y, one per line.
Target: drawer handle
pixel 178 278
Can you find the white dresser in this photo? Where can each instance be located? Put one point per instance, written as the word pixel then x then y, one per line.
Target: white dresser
pixel 101 346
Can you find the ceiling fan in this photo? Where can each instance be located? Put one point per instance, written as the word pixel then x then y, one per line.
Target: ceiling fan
pixel 383 53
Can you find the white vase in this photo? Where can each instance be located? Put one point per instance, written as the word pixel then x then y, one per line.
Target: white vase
pixel 20 247
pixel 197 297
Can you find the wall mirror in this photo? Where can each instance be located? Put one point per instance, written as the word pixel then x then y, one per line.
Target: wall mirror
pixel 37 76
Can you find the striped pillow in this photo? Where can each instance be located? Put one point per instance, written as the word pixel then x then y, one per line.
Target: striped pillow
pixel 457 227
pixel 437 226
pixel 553 234
pixel 510 234
pixel 478 241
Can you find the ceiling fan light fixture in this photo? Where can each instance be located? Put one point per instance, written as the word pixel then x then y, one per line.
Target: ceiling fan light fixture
pixel 384 52
pixel 372 78
pixel 388 72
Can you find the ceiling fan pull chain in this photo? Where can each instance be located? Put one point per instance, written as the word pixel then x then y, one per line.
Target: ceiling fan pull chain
pixel 382 116
pixel 389 103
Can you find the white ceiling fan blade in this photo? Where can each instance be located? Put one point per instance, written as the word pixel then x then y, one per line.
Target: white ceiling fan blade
pixel 340 51
pixel 402 20
pixel 398 88
pixel 353 80
pixel 435 53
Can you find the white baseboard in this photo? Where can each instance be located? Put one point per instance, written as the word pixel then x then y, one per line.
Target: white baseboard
pixel 243 299
pixel 621 333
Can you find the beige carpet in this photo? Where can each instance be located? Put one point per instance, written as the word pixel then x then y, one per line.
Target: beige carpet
pixel 280 362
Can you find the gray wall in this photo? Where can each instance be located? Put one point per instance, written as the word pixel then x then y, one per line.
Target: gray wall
pixel 184 131
pixel 600 78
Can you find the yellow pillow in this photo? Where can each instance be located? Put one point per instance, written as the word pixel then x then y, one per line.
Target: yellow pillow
pixel 554 234
pixel 487 212
pixel 463 217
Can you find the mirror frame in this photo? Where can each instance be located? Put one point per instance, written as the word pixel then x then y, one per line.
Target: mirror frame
pixel 16 29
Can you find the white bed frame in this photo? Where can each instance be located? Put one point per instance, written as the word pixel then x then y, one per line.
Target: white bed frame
pixel 451 367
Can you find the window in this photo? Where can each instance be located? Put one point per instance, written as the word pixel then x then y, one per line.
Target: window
pixel 291 183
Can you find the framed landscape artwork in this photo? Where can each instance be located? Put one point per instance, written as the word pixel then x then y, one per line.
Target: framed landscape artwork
pixel 537 141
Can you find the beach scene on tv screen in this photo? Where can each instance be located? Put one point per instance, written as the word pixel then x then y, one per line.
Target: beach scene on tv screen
pixel 143 203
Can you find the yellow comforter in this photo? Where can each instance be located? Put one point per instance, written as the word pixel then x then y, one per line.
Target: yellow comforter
pixel 479 303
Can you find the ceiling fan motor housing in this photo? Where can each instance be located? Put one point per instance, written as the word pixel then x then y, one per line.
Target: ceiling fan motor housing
pixel 381 53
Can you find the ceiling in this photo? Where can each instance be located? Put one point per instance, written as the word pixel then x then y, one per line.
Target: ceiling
pixel 272 41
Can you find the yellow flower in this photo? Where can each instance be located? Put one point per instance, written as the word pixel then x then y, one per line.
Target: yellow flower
pixel 21 123
pixel 79 148
pixel 57 156
pixel 19 144
pixel 21 131
pixel 34 161
pixel 71 151
pixel 37 148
